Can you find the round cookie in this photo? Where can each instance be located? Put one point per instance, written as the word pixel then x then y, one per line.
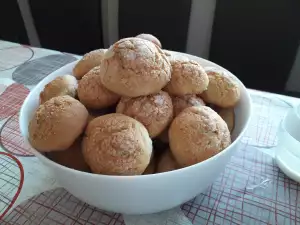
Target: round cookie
pixel 167 53
pixel 166 162
pixel 151 38
pixel 188 77
pixel 223 90
pixel 115 144
pixel 88 62
pixel 229 117
pixel 182 102
pixel 197 134
pixel 64 85
pixel 72 157
pixel 57 123
pixel 92 93
pixel 154 111
pixel 135 67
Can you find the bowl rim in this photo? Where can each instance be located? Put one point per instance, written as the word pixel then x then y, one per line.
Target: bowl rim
pixel 57 166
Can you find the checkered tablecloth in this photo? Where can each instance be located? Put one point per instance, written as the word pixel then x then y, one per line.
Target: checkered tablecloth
pixel 251 190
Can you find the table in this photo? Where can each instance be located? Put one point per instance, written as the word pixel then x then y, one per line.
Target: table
pixel 251 190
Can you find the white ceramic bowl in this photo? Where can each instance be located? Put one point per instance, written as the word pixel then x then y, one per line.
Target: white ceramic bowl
pixel 145 193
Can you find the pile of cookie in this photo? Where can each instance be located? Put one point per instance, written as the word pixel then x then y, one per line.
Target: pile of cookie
pixel 135 109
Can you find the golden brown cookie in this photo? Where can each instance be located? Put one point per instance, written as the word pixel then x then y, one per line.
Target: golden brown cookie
pixel 88 62
pixel 223 90
pixel 188 77
pixel 167 53
pixel 197 134
pixel 166 162
pixel 57 123
pixel 154 111
pixel 135 67
pixel 182 102
pixel 72 157
pixel 229 117
pixel 63 85
pixel 93 94
pixel 115 144
pixel 151 38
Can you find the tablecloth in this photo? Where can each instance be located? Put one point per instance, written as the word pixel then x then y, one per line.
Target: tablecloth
pixel 251 190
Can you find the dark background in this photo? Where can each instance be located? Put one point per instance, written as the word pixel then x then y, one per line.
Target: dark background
pixel 256 40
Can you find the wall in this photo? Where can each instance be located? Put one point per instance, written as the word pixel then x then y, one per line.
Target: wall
pixel 255 40
pixel 293 84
